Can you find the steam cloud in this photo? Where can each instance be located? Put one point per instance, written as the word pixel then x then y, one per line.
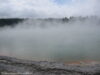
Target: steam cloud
pixel 52 40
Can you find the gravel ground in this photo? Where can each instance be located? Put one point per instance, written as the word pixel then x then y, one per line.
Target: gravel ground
pixel 14 66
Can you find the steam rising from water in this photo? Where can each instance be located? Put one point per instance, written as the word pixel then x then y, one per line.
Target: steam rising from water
pixel 52 40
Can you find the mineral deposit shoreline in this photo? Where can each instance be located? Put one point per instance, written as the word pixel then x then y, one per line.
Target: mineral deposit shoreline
pixel 14 66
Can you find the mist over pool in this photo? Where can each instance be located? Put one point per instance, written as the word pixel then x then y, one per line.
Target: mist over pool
pixel 38 39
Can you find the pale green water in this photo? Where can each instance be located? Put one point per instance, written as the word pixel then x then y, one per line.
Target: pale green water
pixel 63 42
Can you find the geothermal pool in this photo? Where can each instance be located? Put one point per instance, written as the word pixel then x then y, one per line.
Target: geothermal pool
pixel 37 40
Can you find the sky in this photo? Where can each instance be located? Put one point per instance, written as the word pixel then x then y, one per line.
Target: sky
pixel 62 2
pixel 48 8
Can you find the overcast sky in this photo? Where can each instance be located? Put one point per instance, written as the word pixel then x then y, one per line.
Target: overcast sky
pixel 48 8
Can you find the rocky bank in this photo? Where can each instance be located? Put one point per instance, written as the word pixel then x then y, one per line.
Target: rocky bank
pixel 14 66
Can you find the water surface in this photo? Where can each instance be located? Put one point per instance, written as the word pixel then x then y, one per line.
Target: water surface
pixel 58 41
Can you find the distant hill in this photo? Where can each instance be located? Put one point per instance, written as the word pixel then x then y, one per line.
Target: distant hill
pixel 13 21
pixel 9 21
